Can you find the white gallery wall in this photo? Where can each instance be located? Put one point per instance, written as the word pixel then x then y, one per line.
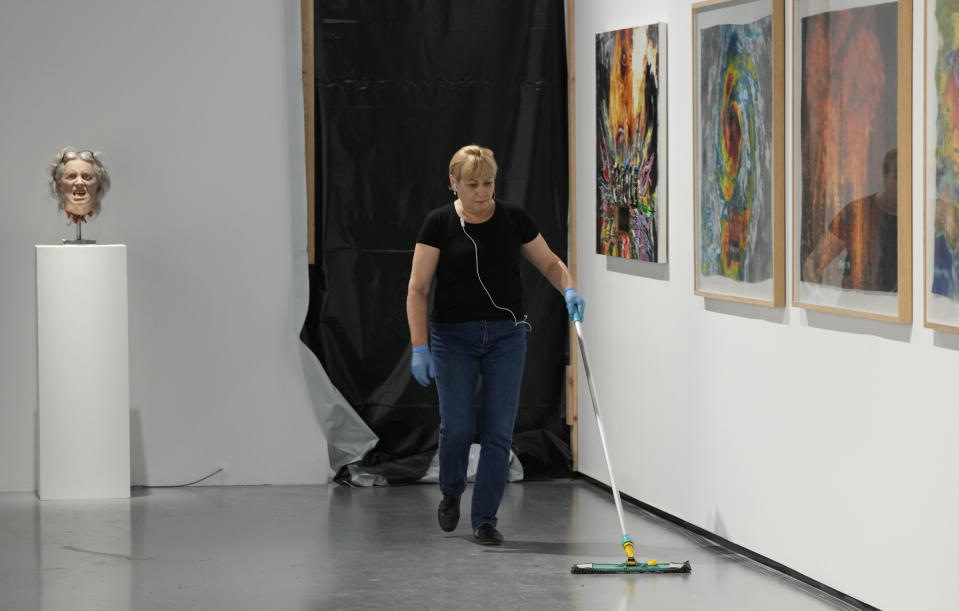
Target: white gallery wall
pixel 197 107
pixel 827 443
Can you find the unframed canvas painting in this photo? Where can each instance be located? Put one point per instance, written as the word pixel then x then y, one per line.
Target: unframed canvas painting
pixel 631 207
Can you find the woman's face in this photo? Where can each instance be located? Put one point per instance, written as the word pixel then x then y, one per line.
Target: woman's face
pixel 475 191
pixel 78 187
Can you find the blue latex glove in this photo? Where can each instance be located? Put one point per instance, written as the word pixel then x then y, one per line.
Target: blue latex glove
pixel 422 365
pixel 573 300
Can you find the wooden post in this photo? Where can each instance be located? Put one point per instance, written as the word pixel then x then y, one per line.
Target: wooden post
pixel 309 124
pixel 572 372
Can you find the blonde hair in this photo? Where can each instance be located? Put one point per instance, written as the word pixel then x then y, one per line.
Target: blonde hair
pixel 472 161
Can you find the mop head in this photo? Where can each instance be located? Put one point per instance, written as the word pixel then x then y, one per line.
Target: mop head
pixel 630 566
pixel 652 566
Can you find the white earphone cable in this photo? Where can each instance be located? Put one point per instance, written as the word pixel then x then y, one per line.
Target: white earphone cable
pixel 529 327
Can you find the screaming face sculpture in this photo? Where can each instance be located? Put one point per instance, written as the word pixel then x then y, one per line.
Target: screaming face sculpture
pixel 78 180
pixel 78 189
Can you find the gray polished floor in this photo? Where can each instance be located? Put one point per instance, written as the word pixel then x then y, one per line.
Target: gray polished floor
pixel 310 548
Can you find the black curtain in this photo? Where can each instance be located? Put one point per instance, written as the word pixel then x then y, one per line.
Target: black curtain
pixel 400 86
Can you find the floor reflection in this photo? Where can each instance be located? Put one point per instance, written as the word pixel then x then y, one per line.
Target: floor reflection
pixel 312 548
pixel 85 555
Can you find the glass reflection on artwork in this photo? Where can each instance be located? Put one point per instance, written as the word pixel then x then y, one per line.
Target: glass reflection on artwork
pixel 849 133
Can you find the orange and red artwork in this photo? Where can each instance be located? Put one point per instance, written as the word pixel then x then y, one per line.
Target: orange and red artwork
pixel 631 207
pixel 848 137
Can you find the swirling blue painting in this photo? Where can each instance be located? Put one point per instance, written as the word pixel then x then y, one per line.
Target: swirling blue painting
pixel 736 155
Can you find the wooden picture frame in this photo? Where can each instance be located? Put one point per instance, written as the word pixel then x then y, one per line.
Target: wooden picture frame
pixel 941 169
pixel 852 158
pixel 739 150
pixel 309 122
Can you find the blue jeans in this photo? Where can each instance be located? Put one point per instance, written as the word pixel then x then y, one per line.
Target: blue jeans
pixel 464 353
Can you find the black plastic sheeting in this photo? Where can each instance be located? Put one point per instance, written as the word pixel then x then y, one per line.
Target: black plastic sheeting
pixel 400 86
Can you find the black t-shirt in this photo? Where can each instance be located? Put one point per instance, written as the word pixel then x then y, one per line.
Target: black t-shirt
pixel 459 295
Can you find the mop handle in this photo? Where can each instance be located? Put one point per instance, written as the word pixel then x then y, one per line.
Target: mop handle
pixel 578 320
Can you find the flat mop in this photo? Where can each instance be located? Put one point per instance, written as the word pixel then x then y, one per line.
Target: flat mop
pixel 630 566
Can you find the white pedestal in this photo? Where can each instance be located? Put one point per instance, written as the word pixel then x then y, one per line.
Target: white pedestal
pixel 83 372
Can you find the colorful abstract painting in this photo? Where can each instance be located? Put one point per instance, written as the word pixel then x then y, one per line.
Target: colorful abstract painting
pixel 848 141
pixel 735 151
pixel 630 155
pixel 945 259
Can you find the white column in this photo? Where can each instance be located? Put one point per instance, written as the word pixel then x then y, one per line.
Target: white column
pixel 83 372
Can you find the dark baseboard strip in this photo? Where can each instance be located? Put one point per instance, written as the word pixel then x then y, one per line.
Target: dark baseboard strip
pixel 739 549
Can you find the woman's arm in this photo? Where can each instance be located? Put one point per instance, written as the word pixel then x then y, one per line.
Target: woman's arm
pixel 425 259
pixel 545 260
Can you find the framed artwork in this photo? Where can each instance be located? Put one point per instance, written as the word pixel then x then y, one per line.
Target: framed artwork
pixel 631 143
pixel 852 156
pixel 739 150
pixel 941 168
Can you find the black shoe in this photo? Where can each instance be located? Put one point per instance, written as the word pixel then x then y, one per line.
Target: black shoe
pixel 487 534
pixel 449 512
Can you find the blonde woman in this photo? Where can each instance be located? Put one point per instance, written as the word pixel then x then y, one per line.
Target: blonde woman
pixel 477 329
